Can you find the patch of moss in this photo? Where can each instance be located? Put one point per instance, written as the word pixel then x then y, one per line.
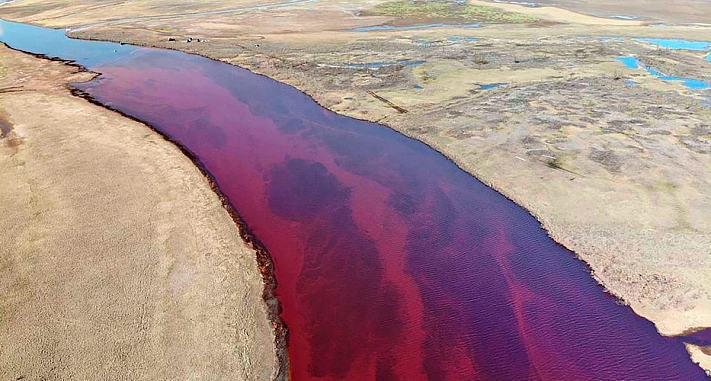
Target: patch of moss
pixel 555 162
pixel 448 10
pixel 670 187
pixel 663 186
pixel 560 162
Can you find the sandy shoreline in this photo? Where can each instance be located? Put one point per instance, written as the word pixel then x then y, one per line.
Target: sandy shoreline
pixel 164 287
pixel 263 258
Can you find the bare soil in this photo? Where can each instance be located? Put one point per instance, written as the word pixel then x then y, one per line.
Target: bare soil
pixel 678 11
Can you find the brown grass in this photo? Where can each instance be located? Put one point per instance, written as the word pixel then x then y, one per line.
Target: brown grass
pixel 117 261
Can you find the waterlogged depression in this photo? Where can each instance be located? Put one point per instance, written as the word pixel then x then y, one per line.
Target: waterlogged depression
pixel 391 262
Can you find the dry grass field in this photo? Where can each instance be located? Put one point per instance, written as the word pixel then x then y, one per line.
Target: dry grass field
pixel 117 260
pixel 677 11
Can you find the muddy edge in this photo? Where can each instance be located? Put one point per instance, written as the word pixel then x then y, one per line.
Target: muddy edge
pixel 264 259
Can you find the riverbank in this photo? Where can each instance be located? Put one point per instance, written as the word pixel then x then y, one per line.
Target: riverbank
pixel 616 172
pixel 118 260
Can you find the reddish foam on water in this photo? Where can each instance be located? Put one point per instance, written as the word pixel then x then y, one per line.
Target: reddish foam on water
pixel 391 262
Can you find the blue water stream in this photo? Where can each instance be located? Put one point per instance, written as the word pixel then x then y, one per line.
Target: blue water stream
pixel 691 83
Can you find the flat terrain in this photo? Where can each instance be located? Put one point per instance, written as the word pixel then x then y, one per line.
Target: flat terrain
pixel 677 11
pixel 117 260
pixel 615 163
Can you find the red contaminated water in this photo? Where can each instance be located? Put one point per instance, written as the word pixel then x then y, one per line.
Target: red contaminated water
pixel 391 262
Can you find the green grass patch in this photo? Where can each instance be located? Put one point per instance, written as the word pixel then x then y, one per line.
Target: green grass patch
pixel 662 186
pixel 441 10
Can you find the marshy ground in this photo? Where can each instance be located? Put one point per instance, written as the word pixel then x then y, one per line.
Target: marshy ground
pixel 613 161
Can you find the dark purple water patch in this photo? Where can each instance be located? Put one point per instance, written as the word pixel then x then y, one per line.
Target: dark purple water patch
pixel 701 337
pixel 5 126
pixel 392 262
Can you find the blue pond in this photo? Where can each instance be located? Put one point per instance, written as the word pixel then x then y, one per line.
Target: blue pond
pixel 525 4
pixel 663 25
pixel 694 84
pixel 623 17
pixel 490 86
pixel 629 62
pixel 610 38
pixel 374 65
pixel 457 38
pixel 423 42
pixel 677 44
pixel 53 43
pixel 674 44
pixel 411 27
pixel 691 83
